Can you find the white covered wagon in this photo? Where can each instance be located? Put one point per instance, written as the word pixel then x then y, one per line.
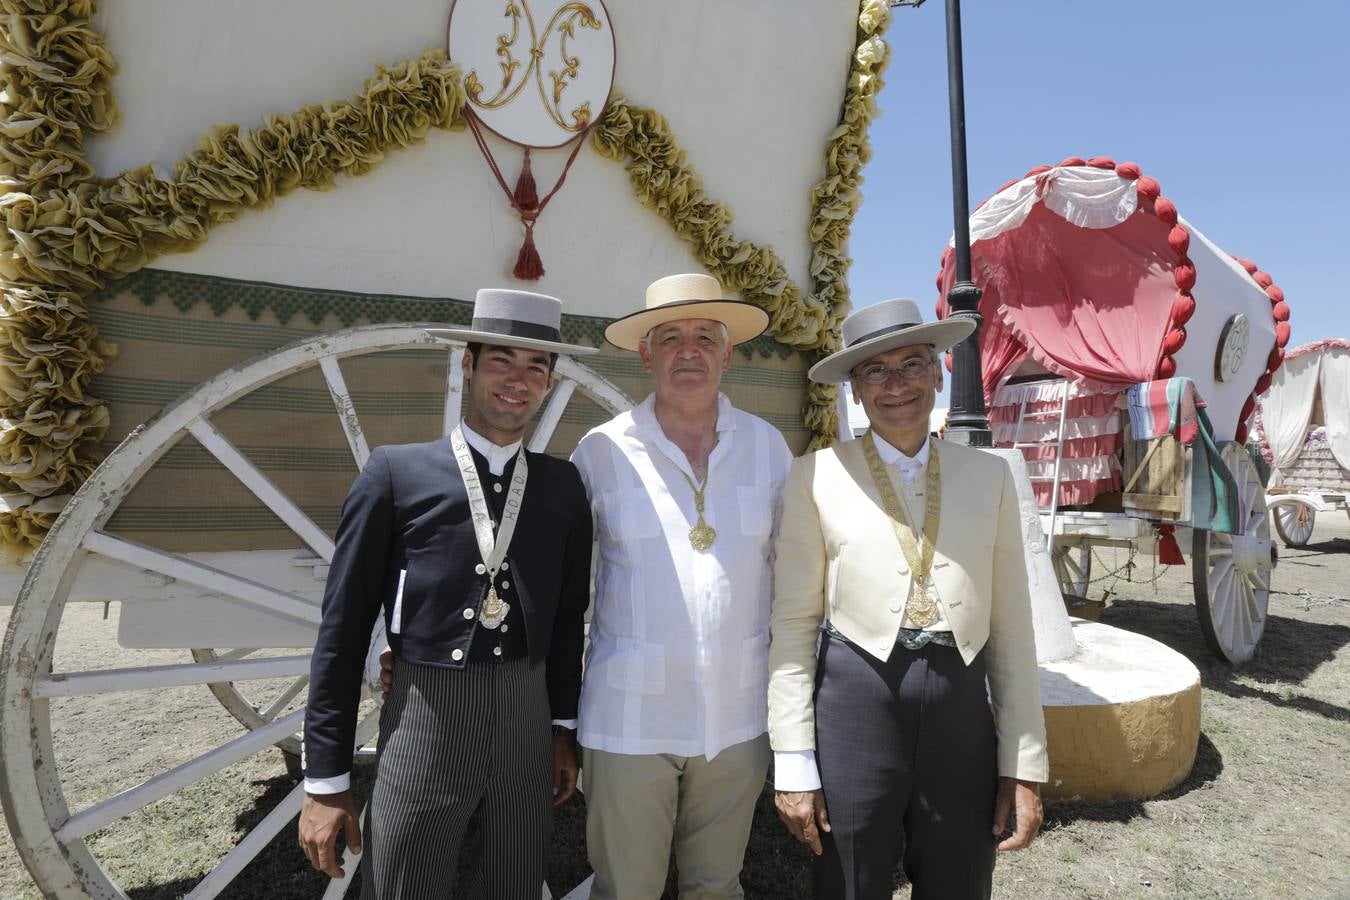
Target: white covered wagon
pixel 1304 431
pixel 1092 283
pixel 253 374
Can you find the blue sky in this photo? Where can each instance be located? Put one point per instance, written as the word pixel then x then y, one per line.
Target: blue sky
pixel 1238 109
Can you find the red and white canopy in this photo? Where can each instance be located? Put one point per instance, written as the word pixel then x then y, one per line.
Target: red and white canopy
pixel 1088 271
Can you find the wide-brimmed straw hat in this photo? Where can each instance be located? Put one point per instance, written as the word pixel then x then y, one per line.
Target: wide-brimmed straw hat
pixel 886 326
pixel 692 296
pixel 508 318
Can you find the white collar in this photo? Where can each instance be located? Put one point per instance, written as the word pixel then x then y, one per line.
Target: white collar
pixel 497 456
pixel 894 456
pixel 644 415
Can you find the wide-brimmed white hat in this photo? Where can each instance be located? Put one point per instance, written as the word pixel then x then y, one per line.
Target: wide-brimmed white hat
pixel 508 318
pixel 691 296
pixel 885 326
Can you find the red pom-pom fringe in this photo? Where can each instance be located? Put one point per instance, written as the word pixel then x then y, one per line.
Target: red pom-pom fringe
pixel 1275 294
pixel 1167 367
pixel 1248 265
pixel 1275 360
pixel 1280 312
pixel 1073 161
pixel 1179 239
pixel 1128 170
pixel 1038 170
pixel 1166 210
pixel 1247 408
pixel 1183 307
pixel 1281 334
pixel 1148 188
pixel 1102 162
pixel 1184 274
pixel 1173 341
pixel 1262 384
pixel 1241 434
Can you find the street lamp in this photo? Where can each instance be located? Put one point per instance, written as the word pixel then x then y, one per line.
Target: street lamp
pixel 966 420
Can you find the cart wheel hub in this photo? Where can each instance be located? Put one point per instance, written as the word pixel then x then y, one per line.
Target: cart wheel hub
pixel 1252 554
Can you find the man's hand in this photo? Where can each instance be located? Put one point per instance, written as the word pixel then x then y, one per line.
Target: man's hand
pixel 1023 800
pixel 803 812
pixel 321 818
pixel 564 765
pixel 386 672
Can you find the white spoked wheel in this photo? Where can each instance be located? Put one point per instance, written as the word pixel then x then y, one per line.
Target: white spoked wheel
pixel 67 822
pixel 1073 568
pixel 1232 571
pixel 1294 523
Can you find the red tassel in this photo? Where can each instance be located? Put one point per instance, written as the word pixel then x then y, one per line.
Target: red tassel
pixel 527 195
pixel 1169 553
pixel 529 267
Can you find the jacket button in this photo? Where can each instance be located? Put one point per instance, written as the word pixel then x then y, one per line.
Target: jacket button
pixel 497 488
pixel 895 606
pixel 468 613
pixel 457 655
pixel 506 585
pixel 506 566
pixel 503 628
pixel 902 569
pixel 496 651
pixel 480 569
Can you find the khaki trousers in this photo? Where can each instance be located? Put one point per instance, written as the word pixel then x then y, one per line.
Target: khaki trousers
pixel 637 804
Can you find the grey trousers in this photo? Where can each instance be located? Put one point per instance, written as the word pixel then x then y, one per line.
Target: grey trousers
pixel 907 758
pixel 461 749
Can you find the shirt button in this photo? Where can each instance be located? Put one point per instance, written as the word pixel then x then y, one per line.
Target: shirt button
pixel 895 606
pixel 497 488
pixel 496 651
pixel 480 568
pixel 457 655
pixel 506 585
pixel 468 613
pixel 902 569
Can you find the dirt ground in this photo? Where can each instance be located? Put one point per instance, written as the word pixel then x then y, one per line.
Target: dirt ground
pixel 1263 813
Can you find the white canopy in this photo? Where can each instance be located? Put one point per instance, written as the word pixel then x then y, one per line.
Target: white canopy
pixel 1291 405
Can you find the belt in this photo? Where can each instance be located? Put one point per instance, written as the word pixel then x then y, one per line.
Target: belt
pixel 909 638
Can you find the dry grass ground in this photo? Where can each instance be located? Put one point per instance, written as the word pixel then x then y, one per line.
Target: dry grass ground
pixel 1263 814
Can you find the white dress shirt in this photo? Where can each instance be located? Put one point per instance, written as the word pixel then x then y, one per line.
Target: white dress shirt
pixel 678 655
pixel 796 770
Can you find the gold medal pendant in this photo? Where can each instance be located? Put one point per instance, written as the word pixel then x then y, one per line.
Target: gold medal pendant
pixel 921 609
pixel 701 536
pixel 494 610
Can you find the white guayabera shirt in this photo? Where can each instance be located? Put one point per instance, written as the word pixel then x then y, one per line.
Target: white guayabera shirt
pixel 678 655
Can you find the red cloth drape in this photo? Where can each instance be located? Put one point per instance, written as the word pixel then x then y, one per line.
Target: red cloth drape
pixel 1090 304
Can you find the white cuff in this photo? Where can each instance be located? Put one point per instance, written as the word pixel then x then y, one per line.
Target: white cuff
pixel 795 770
pixel 569 724
pixel 335 785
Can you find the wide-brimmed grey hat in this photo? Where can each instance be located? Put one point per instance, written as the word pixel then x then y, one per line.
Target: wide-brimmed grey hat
pixel 885 326
pixel 508 318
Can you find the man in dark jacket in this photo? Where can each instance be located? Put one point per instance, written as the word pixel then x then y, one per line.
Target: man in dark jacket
pixel 478 554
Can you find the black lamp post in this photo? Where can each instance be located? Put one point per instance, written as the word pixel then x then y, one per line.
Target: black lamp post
pixel 966 420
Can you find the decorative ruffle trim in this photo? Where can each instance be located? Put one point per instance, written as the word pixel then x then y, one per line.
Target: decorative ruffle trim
pixel 666 184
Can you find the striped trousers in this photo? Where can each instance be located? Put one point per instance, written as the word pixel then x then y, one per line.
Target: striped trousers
pixel 461 750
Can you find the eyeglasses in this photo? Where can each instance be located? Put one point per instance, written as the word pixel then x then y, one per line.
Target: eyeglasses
pixel 911 370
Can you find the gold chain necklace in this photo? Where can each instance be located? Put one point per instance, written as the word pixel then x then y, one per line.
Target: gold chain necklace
pixel 921 609
pixel 702 535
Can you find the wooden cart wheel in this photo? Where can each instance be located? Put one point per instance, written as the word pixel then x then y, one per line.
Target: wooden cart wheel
pixel 1294 523
pixel 1073 568
pixel 67 824
pixel 1232 571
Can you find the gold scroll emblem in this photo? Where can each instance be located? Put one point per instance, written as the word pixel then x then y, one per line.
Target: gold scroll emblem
pixel 565 22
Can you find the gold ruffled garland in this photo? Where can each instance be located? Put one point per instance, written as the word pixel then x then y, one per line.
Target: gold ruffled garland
pixel 67 234
pixel 665 183
pixel 66 237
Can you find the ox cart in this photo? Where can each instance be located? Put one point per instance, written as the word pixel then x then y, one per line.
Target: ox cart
pixel 254 374
pixel 1093 283
pixel 1303 429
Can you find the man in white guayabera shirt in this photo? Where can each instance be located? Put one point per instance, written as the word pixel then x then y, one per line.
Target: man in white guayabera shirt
pixel 673 713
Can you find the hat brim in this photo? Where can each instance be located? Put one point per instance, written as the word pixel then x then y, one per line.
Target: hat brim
pixel 744 321
pixel 469 336
pixel 939 335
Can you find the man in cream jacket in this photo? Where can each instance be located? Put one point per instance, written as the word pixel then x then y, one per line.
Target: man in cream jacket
pixel 900 586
